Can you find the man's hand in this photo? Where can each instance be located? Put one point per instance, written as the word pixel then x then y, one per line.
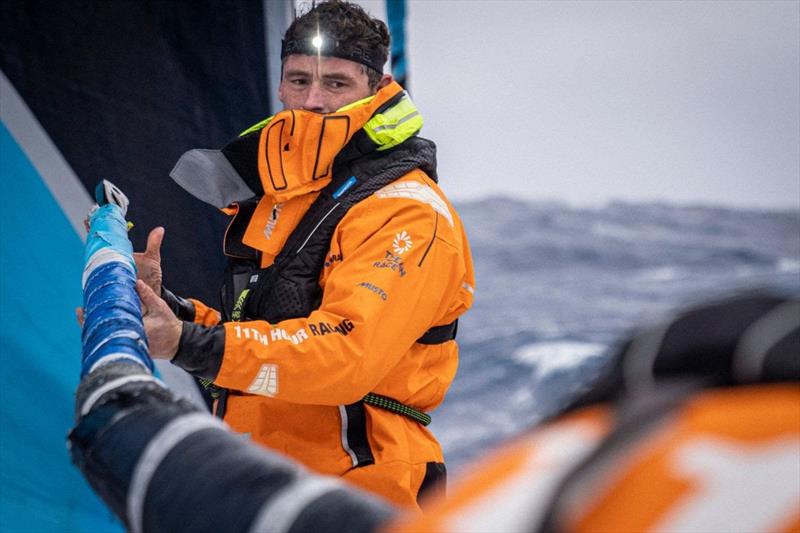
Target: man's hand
pixel 148 263
pixel 162 327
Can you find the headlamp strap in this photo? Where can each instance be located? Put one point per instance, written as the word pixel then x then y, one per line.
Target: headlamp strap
pixel 332 48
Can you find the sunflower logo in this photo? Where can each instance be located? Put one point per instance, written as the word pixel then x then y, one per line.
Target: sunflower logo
pixel 402 243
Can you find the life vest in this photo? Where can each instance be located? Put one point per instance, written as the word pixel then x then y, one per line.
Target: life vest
pixel 289 287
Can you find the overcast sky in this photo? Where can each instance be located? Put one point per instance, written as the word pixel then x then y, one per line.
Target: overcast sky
pixel 589 101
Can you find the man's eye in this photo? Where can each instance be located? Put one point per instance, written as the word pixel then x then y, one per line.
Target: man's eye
pixel 336 84
pixel 298 82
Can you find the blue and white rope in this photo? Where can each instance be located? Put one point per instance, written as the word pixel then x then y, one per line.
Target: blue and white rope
pixel 112 328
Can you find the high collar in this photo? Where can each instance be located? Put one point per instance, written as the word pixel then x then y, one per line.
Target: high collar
pixel 297 148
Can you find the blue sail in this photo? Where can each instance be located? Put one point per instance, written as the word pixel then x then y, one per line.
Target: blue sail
pixel 42 258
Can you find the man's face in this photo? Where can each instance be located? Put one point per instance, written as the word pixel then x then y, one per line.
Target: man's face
pixel 322 84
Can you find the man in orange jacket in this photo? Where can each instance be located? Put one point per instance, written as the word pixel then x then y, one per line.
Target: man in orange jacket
pixel 348 269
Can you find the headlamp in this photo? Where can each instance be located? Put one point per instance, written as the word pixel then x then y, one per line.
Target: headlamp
pixel 325 46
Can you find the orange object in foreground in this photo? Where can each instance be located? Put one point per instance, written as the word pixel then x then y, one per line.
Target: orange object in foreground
pixel 723 460
pixel 694 426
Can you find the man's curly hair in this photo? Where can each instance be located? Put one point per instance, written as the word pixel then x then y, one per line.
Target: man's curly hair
pixel 350 25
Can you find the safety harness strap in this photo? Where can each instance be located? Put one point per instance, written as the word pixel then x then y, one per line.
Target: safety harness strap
pixel 397 407
pixel 440 334
pixel 435 335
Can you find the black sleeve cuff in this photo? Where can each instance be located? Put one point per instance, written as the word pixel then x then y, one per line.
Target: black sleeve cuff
pixel 183 308
pixel 200 350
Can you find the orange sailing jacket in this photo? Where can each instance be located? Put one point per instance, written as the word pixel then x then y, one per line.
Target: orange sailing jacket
pixel 398 264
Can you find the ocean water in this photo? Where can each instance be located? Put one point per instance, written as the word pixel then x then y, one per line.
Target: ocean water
pixel 557 287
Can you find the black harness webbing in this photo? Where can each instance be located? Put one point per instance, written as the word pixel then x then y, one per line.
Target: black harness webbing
pixel 440 334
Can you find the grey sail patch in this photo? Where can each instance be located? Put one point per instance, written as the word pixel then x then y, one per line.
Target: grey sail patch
pixel 209 176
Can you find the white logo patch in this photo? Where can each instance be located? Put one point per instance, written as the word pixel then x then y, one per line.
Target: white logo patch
pixel 273 220
pixel 402 243
pixel 266 382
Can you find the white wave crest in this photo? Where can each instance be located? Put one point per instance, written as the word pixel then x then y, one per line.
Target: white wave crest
pixel 788 265
pixel 548 357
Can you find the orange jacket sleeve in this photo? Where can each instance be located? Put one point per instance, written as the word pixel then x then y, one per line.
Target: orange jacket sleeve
pixel 397 266
pixel 205 315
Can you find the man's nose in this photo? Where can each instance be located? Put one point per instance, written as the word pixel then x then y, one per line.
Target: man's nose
pixel 315 99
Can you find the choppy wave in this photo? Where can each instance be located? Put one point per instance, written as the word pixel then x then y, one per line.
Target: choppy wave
pixel 557 287
pixel 549 357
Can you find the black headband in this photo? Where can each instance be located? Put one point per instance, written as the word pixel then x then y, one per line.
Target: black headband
pixel 330 48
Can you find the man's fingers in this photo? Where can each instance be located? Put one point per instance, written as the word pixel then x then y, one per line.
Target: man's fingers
pixel 162 327
pixel 148 297
pixel 79 315
pixel 154 240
